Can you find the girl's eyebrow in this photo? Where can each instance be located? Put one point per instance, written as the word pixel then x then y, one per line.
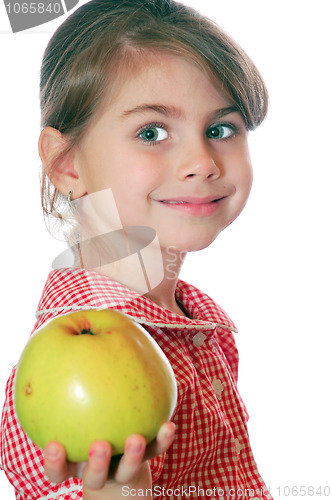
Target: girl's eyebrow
pixel 174 112
pixel 170 111
pixel 219 113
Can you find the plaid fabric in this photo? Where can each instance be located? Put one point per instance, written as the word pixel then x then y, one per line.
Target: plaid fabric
pixel 211 448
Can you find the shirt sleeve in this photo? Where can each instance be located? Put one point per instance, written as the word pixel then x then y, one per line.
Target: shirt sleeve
pixel 22 460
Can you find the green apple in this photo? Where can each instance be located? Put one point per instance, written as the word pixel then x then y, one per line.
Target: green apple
pixel 93 375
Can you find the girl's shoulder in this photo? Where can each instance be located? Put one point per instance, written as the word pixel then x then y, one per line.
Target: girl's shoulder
pixel 74 289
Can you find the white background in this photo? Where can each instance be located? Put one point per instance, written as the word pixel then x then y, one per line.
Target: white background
pixel 271 270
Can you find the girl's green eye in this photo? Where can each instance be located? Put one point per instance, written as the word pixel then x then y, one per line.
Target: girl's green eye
pixel 153 134
pixel 219 132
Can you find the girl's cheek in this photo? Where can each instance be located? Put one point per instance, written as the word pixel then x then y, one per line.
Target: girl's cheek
pixel 146 175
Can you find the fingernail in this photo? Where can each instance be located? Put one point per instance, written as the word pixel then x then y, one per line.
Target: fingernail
pixel 98 453
pixel 52 452
pixel 169 432
pixel 135 447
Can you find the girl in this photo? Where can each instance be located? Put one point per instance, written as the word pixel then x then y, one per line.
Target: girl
pixel 146 107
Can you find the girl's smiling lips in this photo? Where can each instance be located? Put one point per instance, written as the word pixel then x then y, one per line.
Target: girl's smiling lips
pixel 194 205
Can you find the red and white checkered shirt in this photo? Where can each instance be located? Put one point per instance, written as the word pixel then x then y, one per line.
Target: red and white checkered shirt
pixel 211 454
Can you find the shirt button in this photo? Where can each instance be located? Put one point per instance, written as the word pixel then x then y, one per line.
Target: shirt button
pixel 218 387
pixel 198 339
pixel 239 446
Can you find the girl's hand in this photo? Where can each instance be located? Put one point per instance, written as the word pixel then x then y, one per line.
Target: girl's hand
pixel 100 470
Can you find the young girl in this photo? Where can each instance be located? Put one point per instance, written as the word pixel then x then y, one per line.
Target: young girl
pixel 146 107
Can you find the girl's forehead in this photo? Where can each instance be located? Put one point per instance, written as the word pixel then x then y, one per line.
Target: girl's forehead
pixel 163 75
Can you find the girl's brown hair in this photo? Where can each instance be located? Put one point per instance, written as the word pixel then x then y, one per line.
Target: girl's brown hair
pixel 103 37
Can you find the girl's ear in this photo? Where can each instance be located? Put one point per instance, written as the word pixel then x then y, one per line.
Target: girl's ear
pixel 63 174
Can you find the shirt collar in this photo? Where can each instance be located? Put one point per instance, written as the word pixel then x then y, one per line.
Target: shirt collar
pixel 71 289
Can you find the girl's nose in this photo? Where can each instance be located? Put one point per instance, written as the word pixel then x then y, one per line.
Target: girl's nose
pixel 199 165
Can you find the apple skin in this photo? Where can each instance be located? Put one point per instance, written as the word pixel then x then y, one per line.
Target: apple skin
pixel 93 375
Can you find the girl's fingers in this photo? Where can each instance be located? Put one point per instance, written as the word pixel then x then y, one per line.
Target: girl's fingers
pixel 96 472
pixel 131 460
pixel 55 465
pixel 162 442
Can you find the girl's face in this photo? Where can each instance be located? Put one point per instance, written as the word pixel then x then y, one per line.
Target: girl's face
pixel 174 152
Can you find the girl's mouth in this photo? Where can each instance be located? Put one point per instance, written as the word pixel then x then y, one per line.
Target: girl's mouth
pixel 195 206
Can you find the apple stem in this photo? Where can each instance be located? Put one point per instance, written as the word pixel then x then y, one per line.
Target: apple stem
pixel 86 328
pixel 89 332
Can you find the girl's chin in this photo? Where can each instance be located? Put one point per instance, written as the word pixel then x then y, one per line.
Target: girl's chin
pixel 190 244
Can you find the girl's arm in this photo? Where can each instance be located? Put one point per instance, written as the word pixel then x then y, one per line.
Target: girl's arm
pixel 130 472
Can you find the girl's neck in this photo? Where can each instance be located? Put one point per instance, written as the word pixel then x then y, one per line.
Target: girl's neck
pixel 168 302
pixel 164 293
